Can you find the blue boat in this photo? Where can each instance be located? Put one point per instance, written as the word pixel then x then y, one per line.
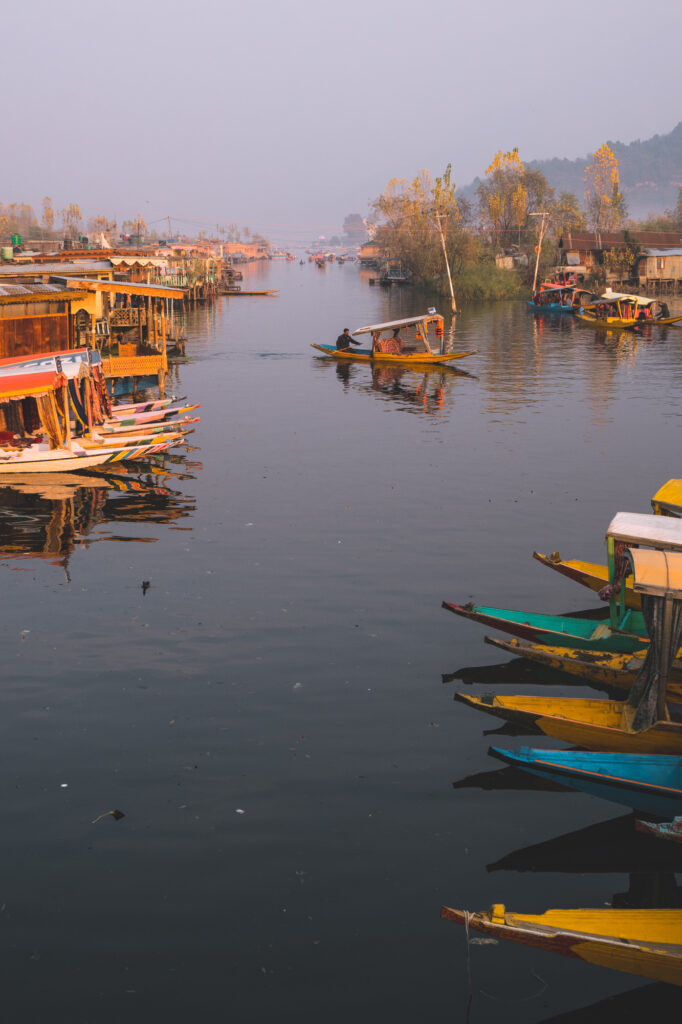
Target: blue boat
pixel 553 300
pixel 649 783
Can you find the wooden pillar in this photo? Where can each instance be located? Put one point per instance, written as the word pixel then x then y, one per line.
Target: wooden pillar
pixel 156 339
pixel 140 307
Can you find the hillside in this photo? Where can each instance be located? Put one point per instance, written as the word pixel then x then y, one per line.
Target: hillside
pixel 650 173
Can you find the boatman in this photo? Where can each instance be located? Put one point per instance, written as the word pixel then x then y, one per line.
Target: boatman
pixel 344 341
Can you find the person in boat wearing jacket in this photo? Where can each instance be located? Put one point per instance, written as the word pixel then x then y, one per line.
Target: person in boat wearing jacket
pixel 344 341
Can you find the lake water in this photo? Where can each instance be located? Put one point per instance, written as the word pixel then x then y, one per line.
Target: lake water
pixel 243 651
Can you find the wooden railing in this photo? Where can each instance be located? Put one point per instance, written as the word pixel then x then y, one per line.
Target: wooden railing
pixel 128 317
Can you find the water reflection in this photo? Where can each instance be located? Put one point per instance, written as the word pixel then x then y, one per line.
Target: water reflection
pixel 428 390
pixel 631 1007
pixel 50 515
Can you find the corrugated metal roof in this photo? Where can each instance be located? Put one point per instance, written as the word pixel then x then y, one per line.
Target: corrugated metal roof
pixel 36 269
pixel 663 252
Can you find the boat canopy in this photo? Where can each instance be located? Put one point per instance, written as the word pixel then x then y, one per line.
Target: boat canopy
pixel 658 573
pixel 72 363
pixel 668 498
pixel 634 528
pixel 29 385
pixel 641 300
pixel 425 318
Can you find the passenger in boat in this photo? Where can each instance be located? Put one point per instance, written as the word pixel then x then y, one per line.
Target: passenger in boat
pixel 344 341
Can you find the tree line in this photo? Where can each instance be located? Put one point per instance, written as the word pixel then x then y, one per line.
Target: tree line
pixel 409 217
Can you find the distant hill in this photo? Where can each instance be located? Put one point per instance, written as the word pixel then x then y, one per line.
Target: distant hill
pixel 650 173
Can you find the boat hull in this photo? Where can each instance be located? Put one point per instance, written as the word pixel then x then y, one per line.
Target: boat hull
pixel 592 575
pixel 662 830
pixel 414 359
pixel 613 670
pixel 641 942
pixel 557 630
pixel 649 783
pixel 590 724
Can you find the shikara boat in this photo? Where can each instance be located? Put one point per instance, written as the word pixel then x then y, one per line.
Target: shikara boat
pixel 662 830
pixel 647 943
pixel 620 311
pixel 590 724
pixel 560 630
pixel 592 575
pixel 416 351
pixel 667 501
pixel 154 416
pixel 650 783
pixel 611 670
pixel 625 631
pixel 553 300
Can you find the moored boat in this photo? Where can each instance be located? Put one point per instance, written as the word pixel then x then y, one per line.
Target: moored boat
pixel 586 723
pixel 612 670
pixel 560 630
pixel 650 783
pixel 662 830
pixel 647 943
pixel 621 311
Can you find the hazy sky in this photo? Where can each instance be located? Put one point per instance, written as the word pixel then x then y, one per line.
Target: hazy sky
pixel 289 115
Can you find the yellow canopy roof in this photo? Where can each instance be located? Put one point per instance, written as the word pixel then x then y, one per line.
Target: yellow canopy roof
pixel 656 572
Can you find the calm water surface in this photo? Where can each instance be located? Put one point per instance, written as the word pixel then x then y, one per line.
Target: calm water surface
pixel 242 649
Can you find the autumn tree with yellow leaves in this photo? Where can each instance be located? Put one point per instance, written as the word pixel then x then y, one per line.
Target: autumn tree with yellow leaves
pixel 509 196
pixel 408 218
pixel 603 200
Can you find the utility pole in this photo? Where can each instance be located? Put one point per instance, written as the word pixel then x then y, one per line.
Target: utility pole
pixel 445 254
pixel 538 248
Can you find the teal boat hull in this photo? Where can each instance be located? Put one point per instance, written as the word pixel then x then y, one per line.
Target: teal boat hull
pixel 561 630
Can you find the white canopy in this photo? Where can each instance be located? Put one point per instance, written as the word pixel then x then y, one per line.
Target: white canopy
pixel 392 324
pixel 663 532
pixel 641 300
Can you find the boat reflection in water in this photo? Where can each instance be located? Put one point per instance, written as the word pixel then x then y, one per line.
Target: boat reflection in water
pixel 426 390
pixel 50 515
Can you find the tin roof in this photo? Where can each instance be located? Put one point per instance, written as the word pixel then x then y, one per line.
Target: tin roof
pixel 36 269
pixel 38 292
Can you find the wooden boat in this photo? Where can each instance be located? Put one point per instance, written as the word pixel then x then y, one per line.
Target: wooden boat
pixel 160 427
pixel 620 311
pixel 612 670
pixel 592 575
pixel 667 501
pixel 625 631
pixel 155 415
pixel 553 300
pixel 417 352
pixel 650 783
pixel 560 630
pixel 590 724
pixel 662 830
pixel 647 943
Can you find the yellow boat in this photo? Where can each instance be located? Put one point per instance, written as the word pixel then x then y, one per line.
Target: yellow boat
pixel 667 501
pixel 647 943
pixel 614 670
pixel 589 574
pixel 417 351
pixel 620 311
pixel 590 724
